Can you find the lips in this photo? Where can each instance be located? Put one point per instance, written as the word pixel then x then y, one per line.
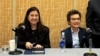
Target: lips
pixel 33 20
pixel 76 24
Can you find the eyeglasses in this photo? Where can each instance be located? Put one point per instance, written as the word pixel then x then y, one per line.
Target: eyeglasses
pixel 75 18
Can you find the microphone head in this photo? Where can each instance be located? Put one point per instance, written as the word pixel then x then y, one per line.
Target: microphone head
pixel 23 27
pixel 13 29
pixel 20 28
pixel 88 30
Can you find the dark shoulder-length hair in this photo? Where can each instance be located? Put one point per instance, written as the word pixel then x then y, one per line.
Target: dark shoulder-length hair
pixel 72 12
pixel 27 23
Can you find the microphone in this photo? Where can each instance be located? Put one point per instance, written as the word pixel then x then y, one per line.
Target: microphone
pixel 22 27
pixel 88 30
pixel 90 53
pixel 17 30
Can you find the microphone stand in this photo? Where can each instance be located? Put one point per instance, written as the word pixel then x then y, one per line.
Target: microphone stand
pixel 90 53
pixel 16 52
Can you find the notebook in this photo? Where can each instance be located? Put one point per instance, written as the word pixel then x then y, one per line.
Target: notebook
pixel 35 51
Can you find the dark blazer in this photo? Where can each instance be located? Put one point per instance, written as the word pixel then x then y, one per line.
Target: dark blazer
pixel 33 37
pixel 93 16
pixel 82 38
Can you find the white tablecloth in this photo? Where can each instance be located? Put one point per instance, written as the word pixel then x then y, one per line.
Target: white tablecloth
pixel 58 52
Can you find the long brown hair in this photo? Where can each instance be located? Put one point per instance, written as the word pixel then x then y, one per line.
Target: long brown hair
pixel 27 23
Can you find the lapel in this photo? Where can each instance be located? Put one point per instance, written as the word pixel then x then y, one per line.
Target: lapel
pixel 69 36
pixel 80 34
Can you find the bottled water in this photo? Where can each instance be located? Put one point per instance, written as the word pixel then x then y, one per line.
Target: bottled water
pixel 62 42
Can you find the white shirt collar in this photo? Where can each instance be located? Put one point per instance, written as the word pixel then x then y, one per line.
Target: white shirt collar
pixel 73 31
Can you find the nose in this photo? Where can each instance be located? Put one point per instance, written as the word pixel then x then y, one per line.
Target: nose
pixel 34 17
pixel 75 20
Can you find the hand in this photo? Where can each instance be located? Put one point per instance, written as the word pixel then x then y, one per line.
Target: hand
pixel 29 45
pixel 38 46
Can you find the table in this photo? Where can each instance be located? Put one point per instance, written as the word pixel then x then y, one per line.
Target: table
pixel 58 52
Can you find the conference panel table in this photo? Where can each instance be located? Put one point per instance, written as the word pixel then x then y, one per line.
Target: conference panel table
pixel 58 52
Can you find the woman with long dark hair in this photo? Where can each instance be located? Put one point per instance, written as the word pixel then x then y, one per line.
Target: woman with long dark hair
pixel 35 34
